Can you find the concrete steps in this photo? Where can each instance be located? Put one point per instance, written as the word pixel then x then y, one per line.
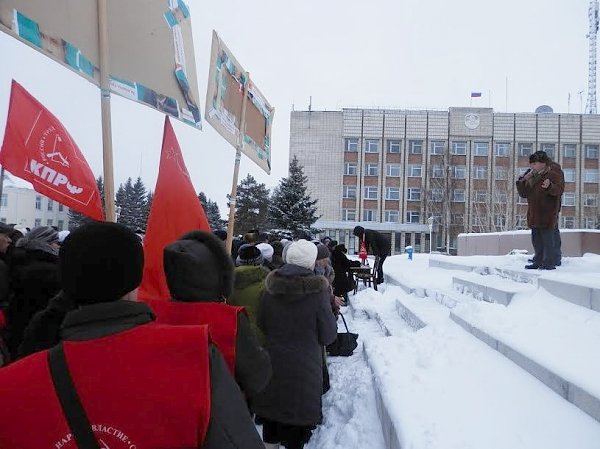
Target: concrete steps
pixel 587 296
pixel 490 288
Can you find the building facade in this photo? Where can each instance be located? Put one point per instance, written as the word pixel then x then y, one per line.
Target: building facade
pixel 28 208
pixel 393 170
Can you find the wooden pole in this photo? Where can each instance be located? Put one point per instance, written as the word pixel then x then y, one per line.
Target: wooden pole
pixel 236 168
pixel 107 151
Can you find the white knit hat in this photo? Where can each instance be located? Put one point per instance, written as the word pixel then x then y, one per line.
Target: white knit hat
pixel 302 253
pixel 266 250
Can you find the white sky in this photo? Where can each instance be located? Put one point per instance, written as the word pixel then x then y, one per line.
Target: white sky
pixel 343 53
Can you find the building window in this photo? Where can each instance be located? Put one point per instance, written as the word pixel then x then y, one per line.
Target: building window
pixel 481 148
pixel 590 222
pixel 457 219
pixel 590 176
pixel 569 150
pixel 500 197
pixel 351 145
pixel 437 195
pixel 525 149
pixel 61 207
pixel 458 195
pixel 392 193
pixel 437 171
pixel 371 170
pixel 590 199
pixel 416 146
pixel 548 148
pixel 481 196
pixel 460 172
pixel 38 202
pixel 349 214
pixel 4 200
pixel 350 168
pixel 349 192
pixel 591 151
pixel 371 146
pixel 414 194
pixel 370 193
pixel 369 214
pixel 393 170
pixel 61 225
pixel 567 222
pixel 568 199
pixel 3 220
pixel 413 217
pixel 459 148
pixel 392 216
pixel 50 205
pixel 480 172
pixel 521 200
pixel 415 171
pixel 502 149
pixel 37 222
pixel 500 221
pixel 438 147
pixel 393 146
pixel 521 221
pixel 49 222
pixel 569 174
pixel 501 173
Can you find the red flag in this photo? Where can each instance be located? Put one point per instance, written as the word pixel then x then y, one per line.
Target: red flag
pixel 175 210
pixel 38 149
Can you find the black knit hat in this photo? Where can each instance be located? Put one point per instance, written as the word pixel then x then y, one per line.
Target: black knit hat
pixel 198 268
pixel 539 156
pixel 100 262
pixel 249 255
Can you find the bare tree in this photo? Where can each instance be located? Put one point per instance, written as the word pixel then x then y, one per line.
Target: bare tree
pixel 439 195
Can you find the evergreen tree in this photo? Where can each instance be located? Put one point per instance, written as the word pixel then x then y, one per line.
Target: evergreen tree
pixel 211 208
pixel 76 219
pixel 139 203
pixel 291 207
pixel 149 199
pixel 252 206
pixel 131 199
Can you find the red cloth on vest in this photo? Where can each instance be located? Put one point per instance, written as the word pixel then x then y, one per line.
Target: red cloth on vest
pixel 221 319
pixel 145 388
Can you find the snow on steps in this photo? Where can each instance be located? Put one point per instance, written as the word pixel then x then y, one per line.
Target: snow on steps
pixel 490 288
pixel 585 294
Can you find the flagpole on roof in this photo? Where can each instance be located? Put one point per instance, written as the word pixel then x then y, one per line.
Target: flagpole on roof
pixel 107 151
pixel 236 168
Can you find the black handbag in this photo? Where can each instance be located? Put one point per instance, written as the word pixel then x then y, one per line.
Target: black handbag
pixel 345 343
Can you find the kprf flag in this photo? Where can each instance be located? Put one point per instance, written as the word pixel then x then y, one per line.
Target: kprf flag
pixel 475 94
pixel 175 210
pixel 38 149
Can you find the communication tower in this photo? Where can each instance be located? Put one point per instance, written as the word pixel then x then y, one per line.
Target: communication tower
pixel 590 107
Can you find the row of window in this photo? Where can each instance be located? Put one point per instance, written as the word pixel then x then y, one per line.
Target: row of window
pixel 60 224
pixel 390 216
pixel 503 149
pixel 38 204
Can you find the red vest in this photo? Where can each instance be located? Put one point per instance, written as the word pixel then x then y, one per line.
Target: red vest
pixel 146 388
pixel 221 319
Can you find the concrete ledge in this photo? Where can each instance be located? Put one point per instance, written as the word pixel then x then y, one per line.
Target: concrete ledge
pixel 483 292
pixel 529 277
pixel 390 279
pixel 580 295
pixel 437 263
pixel 567 390
pixel 409 316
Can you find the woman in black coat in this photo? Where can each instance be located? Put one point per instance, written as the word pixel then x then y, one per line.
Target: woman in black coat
pixel 344 281
pixel 296 318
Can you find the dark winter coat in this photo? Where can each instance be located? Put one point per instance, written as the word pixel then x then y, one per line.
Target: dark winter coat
pixel 35 280
pixel 543 204
pixel 295 316
pixel 377 243
pixel 248 288
pixel 344 280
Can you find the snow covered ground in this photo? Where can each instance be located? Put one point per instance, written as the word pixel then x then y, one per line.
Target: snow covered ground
pixel 440 386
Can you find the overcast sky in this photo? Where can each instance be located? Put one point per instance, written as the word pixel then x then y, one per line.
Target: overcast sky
pixel 343 53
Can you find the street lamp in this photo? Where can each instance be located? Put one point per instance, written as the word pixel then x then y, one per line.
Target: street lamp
pixel 430 221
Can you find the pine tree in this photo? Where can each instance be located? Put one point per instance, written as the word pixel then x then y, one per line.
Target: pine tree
pixel 124 202
pixel 291 207
pixel 252 206
pixel 76 219
pixel 211 208
pixel 149 199
pixel 139 202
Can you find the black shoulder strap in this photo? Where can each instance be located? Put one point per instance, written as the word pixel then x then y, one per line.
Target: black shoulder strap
pixel 69 399
pixel 344 320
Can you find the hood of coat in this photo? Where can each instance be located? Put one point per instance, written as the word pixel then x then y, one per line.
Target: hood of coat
pixel 247 275
pixel 293 282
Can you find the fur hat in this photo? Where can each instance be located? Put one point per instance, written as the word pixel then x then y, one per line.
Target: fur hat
pixel 6 229
pixel 100 262
pixel 249 255
pixel 302 253
pixel 198 268
pixel 358 231
pixel 221 233
pixel 266 250
pixel 322 252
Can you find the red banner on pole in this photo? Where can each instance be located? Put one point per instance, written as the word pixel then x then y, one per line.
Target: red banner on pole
pixel 38 149
pixel 175 210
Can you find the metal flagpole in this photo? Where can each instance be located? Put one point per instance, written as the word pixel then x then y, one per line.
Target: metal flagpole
pixel 107 152
pixel 236 168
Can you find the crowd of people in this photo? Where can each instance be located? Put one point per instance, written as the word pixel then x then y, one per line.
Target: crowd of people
pixel 239 343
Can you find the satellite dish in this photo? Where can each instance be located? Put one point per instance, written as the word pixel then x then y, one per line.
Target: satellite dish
pixel 544 109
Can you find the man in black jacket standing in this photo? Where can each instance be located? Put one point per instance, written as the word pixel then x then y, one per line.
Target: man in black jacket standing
pixel 377 244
